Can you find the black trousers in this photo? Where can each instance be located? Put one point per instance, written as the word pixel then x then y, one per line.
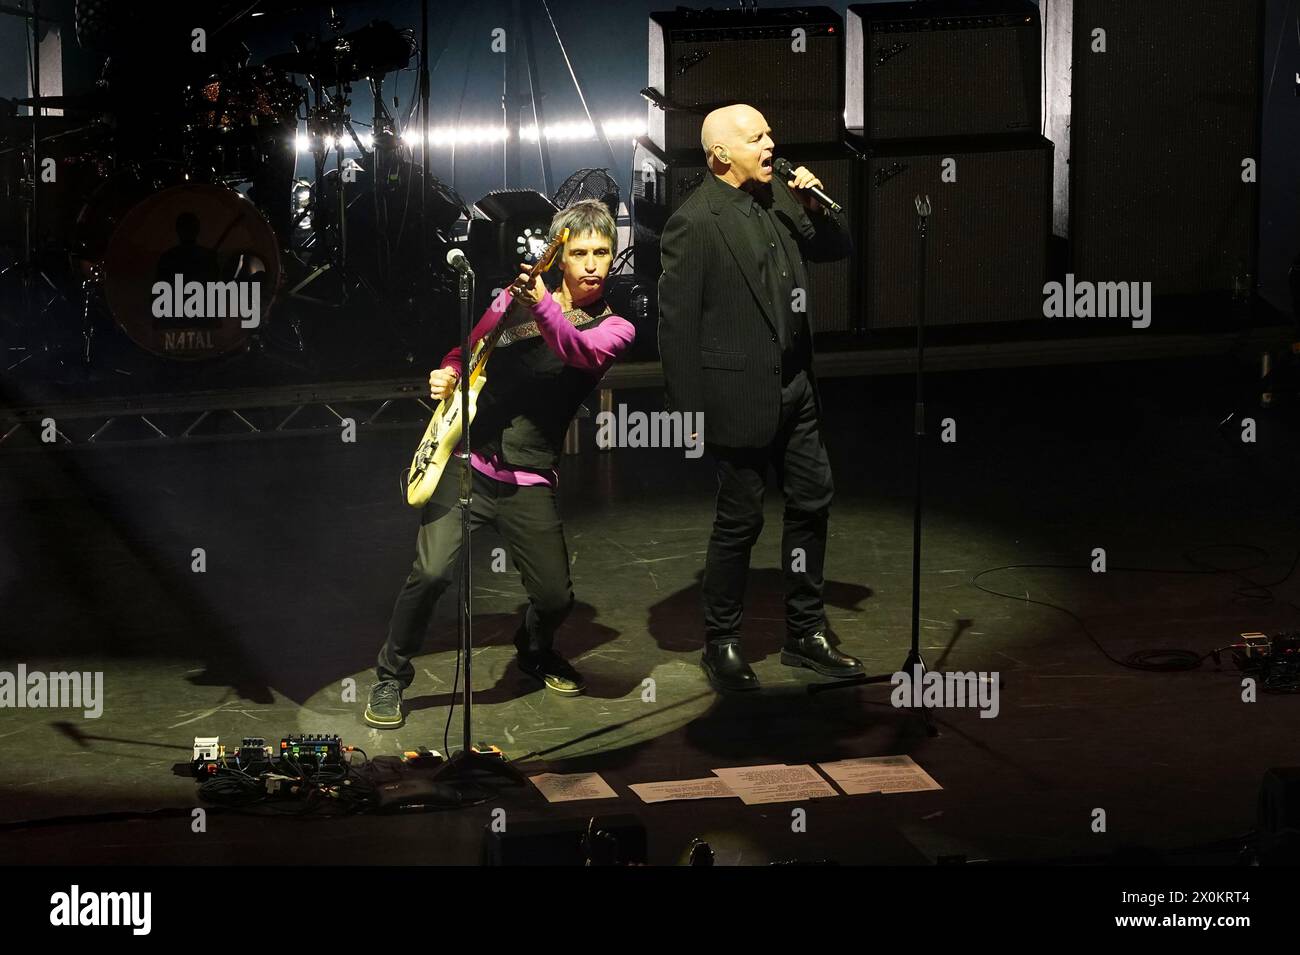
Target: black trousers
pixel 528 522
pixel 803 472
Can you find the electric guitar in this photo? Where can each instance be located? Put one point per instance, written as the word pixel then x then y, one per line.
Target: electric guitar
pixel 445 427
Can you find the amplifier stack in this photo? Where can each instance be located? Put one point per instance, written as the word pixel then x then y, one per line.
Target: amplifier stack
pixel 788 63
pixel 1156 110
pixel 944 99
pixel 1144 161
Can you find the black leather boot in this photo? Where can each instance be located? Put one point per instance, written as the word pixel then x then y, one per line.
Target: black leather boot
pixel 815 652
pixel 726 668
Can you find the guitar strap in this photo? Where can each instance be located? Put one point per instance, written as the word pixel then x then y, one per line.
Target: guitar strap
pixel 519 326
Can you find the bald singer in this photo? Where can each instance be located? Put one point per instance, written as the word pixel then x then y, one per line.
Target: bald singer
pixel 735 342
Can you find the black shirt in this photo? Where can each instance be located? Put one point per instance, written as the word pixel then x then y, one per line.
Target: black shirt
pixel 764 242
pixel 531 395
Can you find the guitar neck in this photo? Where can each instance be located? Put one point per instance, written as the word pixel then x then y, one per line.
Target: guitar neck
pixel 483 349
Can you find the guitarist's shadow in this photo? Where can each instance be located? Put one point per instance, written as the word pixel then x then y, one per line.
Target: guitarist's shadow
pixel 579 641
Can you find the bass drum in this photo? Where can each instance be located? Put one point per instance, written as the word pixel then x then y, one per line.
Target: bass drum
pixel 189 270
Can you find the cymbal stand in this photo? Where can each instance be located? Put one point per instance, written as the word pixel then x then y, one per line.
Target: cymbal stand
pixel 32 276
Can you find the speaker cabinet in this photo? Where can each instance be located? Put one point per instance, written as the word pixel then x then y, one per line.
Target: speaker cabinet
pixel 1159 114
pixel 926 70
pixel 788 63
pixel 987 233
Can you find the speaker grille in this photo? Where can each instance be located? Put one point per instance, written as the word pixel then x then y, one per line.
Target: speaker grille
pixel 1162 122
pixel 800 92
pixel 914 77
pixel 987 235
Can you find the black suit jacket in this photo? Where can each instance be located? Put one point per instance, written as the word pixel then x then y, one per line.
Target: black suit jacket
pixel 718 334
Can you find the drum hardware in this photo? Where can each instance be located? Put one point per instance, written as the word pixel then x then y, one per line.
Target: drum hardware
pixel 368 53
pixel 300 203
pixel 374 50
pixel 378 202
pixel 236 121
pixel 93 281
pixel 29 271
pixel 219 133
pixel 327 120
pixel 73 217
pixel 295 291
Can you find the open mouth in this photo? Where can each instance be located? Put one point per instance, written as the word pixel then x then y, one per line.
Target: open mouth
pixel 767 163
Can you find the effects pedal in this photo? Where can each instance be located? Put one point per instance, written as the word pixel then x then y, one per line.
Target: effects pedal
pixel 319 750
pixel 253 752
pixel 422 758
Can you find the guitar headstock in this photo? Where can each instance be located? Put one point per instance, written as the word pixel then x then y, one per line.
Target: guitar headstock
pixel 545 260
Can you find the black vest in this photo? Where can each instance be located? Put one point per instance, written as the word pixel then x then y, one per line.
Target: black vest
pixel 528 401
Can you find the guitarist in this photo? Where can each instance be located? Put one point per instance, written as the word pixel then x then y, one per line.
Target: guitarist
pixel 554 350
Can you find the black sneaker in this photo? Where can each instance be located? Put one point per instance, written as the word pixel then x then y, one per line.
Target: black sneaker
pixel 553 670
pixel 385 707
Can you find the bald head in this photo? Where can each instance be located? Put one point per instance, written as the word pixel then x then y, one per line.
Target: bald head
pixel 723 125
pixel 737 144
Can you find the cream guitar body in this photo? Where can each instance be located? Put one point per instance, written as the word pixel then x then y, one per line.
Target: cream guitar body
pixel 439 444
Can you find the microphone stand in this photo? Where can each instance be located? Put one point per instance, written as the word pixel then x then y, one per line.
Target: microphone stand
pixel 30 267
pixel 464 763
pixel 914 665
pixel 33 216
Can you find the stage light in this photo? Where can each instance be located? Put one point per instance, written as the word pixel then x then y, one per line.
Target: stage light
pixel 448 135
pixel 530 244
pixel 625 128
pixel 472 135
pixel 510 226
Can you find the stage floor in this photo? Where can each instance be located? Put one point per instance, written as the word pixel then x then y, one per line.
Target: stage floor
pixel 306 543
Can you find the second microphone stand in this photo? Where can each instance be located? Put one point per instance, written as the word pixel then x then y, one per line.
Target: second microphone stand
pixel 914 665
pixel 467 760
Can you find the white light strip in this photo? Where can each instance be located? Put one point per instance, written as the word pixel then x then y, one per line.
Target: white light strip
pixel 446 136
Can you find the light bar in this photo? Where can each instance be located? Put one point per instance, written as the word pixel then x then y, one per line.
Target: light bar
pixel 445 136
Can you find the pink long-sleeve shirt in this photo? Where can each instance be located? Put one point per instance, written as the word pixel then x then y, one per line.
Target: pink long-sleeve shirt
pixel 591 350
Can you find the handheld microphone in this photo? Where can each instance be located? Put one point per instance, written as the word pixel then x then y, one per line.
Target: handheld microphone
pixel 783 169
pixel 456 259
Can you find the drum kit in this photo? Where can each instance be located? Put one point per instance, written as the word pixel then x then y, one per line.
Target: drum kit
pixel 147 177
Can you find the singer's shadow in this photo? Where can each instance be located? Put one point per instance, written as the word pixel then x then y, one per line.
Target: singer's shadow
pixel 677 622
